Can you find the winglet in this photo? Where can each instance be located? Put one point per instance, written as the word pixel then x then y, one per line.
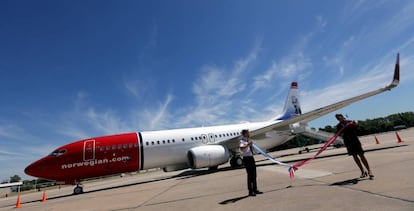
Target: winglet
pixel 396 78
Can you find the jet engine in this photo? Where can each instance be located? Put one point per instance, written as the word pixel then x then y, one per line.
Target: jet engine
pixel 207 156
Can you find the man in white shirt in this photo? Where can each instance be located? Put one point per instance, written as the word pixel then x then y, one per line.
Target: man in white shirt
pixel 246 149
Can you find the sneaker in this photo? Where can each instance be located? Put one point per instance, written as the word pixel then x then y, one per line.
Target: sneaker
pixel 252 194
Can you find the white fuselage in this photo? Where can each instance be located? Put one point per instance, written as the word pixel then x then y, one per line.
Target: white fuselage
pixel 169 147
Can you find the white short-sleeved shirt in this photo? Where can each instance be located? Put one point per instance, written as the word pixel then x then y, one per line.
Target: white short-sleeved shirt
pixel 247 151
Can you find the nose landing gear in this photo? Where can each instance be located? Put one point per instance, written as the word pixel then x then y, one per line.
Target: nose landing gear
pixel 78 189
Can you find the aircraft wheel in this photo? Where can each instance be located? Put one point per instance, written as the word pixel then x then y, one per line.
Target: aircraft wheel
pixel 236 161
pixel 233 162
pixel 78 190
pixel 239 161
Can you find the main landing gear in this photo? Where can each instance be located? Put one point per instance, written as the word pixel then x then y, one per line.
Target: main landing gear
pixel 236 161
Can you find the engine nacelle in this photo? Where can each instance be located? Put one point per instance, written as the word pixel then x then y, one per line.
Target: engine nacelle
pixel 207 156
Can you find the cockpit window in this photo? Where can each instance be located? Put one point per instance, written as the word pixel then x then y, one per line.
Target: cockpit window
pixel 58 152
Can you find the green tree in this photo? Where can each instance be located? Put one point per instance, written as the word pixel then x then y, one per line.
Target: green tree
pixel 15 178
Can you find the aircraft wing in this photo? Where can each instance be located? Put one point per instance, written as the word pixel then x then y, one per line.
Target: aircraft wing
pixel 10 184
pixel 314 114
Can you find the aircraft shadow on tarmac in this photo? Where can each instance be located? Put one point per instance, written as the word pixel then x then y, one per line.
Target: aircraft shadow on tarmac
pixel 181 175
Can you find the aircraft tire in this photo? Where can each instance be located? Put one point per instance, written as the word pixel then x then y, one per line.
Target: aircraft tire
pixel 239 161
pixel 78 190
pixel 236 161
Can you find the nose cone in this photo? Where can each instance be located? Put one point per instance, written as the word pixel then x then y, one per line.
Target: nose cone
pixel 37 169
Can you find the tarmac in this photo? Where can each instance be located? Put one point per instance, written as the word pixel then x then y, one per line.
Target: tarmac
pixel 330 182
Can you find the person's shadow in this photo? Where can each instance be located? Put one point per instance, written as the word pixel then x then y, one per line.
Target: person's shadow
pixel 233 200
pixel 346 182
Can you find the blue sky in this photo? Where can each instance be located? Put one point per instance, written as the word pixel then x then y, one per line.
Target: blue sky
pixel 77 69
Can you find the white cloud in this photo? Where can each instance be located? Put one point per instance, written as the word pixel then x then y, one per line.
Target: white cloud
pixel 217 92
pixel 375 75
pixel 321 22
pixel 153 36
pixel 11 131
pixel 159 117
pixel 349 41
pixel 107 122
pixel 287 68
pixel 5 153
pixel 135 87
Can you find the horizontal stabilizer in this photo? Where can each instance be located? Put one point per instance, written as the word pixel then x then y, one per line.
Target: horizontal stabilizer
pixel 321 135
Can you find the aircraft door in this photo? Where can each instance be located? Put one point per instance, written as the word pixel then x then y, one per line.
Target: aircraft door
pixel 212 138
pixel 204 138
pixel 89 150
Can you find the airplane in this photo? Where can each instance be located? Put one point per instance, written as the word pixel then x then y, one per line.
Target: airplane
pixel 6 185
pixel 177 149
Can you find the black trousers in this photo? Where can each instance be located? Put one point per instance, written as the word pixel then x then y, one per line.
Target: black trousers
pixel 250 166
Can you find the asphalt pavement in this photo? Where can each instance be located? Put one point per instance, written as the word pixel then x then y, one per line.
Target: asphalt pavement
pixel 330 182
